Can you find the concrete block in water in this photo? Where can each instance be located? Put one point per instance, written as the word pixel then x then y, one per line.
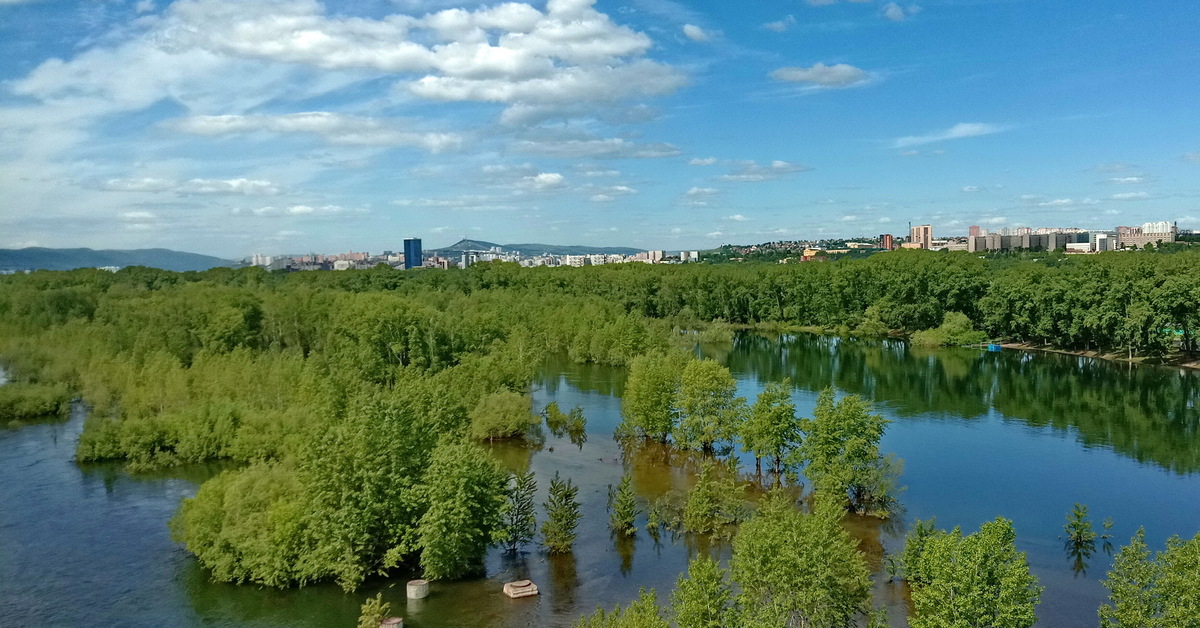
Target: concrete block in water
pixel 520 588
pixel 418 589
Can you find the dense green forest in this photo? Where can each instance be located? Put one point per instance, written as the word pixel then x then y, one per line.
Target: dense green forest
pixel 356 403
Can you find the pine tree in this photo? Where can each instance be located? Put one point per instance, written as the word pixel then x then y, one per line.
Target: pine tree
pixel 562 516
pixel 623 508
pixel 520 521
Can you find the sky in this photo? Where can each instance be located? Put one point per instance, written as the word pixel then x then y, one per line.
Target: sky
pixel 229 127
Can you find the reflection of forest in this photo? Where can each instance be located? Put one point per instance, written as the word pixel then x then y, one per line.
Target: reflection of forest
pixel 1149 414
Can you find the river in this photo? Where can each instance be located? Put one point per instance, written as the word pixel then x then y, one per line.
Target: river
pixel 1011 434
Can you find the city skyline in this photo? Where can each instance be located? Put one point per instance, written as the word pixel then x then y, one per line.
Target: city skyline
pixel 291 125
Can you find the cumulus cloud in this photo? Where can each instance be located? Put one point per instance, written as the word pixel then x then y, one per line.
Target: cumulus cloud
pixel 511 53
pixel 542 181
pixel 332 127
pixel 958 131
pixel 781 26
pixel 972 188
pixel 695 33
pixel 737 218
pixel 702 161
pixel 1132 180
pixel 1192 157
pixel 837 75
pixel 1130 196
pixel 751 172
pixel 715 234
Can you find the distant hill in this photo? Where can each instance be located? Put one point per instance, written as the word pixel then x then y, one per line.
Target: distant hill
pixel 534 249
pixel 37 258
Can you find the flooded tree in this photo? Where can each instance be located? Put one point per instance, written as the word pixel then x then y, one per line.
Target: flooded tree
pixel 623 508
pixel 975 580
pixel 562 516
pixel 702 597
pixel 1156 591
pixel 520 520
pixel 771 429
pixel 709 409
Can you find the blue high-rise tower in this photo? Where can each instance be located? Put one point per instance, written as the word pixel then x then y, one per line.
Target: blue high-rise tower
pixel 412 253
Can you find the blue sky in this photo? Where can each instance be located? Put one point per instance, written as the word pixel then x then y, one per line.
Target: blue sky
pixel 230 128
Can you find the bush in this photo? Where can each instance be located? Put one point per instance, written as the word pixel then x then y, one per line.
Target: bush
pixel 21 401
pixel 956 329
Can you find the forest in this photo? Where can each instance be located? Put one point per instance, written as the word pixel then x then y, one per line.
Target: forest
pixel 355 408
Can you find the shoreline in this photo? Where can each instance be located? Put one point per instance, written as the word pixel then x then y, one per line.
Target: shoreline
pixel 1175 360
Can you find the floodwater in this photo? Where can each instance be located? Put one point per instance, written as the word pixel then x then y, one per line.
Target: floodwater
pixel 1010 434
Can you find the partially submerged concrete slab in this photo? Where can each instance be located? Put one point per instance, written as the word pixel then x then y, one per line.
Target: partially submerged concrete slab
pixel 520 588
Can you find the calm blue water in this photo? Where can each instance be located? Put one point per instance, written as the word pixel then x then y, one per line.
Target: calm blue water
pixel 1017 435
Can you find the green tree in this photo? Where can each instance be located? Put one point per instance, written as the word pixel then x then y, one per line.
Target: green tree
pixel 641 613
pixel 1154 591
pixel 1078 527
pixel 502 414
pixel 956 329
pixel 520 520
pixel 841 453
pixel 465 490
pixel 771 429
pixel 562 516
pixel 702 597
pixel 374 611
pixel 623 507
pixel 649 402
pixel 798 569
pixel 710 411
pixel 715 501
pixel 974 581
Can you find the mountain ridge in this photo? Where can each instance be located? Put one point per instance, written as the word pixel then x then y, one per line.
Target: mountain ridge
pixel 42 258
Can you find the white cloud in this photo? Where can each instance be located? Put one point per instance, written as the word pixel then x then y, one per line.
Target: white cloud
pixel 751 172
pixel 1192 157
pixel 1128 180
pixel 972 188
pixel 194 186
pixel 884 219
pixel 1068 202
pixel 332 127
pixel 1130 196
pixel 695 33
pixel 994 220
pixel 542 181
pixel 468 202
pixel 138 216
pixel 705 161
pixel 610 148
pixel 897 13
pixel 837 75
pixel 144 6
pixel 715 234
pixel 601 198
pixel 737 218
pixel 958 131
pixel 849 218
pixel 700 197
pixel 782 25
